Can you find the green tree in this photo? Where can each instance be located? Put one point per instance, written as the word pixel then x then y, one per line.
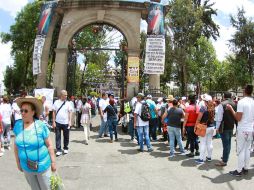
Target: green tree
pixel 242 45
pixel 22 35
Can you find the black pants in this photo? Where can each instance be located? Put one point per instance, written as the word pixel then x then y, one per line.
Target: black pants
pixel 66 134
pixel 192 137
pixel 78 117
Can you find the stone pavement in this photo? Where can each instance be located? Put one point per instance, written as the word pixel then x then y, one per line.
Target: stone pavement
pixel 102 165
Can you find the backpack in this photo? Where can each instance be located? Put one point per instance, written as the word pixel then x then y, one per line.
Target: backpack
pixel 145 112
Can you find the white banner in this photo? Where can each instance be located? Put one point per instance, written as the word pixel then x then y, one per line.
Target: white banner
pixel 38 47
pixel 155 55
pixel 48 93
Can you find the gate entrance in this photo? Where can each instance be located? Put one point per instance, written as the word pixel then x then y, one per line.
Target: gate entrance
pixel 77 14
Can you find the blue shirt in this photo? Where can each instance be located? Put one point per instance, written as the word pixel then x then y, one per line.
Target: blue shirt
pixel 152 107
pixel 31 144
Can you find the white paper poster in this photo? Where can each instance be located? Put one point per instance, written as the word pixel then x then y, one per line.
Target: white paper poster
pixel 48 93
pixel 155 55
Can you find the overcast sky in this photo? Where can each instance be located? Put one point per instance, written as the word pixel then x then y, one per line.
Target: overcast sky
pixel 9 9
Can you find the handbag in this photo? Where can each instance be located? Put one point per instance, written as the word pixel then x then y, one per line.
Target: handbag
pixel 200 129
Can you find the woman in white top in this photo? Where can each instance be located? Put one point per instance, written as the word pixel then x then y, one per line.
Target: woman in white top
pixel 6 112
pixel 86 119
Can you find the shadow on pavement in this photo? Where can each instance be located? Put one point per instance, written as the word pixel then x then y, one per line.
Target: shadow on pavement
pixel 159 154
pixel 161 146
pixel 189 163
pixel 129 152
pixel 224 178
pixel 210 166
pixel 79 141
pixel 177 158
pixel 128 144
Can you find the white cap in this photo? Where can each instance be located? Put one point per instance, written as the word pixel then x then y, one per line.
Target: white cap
pixel 149 96
pixel 206 97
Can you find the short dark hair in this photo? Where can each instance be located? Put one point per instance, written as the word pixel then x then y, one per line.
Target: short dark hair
pixel 175 102
pixel 192 98
pixel 248 89
pixel 227 94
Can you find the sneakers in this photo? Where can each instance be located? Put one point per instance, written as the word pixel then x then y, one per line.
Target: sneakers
pixel 190 155
pixel 140 150
pixel 171 155
pixel 182 154
pixel 65 151
pixel 150 150
pixel 197 153
pixel 199 161
pixel 235 173
pixel 58 153
pixel 1 154
pixel 9 147
pixel 208 159
pixel 244 171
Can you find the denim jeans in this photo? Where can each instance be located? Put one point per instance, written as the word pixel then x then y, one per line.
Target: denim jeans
pixel 6 130
pixel 103 128
pixel 153 128
pixel 66 134
pixel 226 143
pixel 112 124
pixel 143 131
pixel 173 133
pixel 132 132
pixel 192 137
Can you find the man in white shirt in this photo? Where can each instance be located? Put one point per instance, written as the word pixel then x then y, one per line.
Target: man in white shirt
pixel 62 121
pixel 102 105
pixel 16 111
pixel 141 126
pixel 245 118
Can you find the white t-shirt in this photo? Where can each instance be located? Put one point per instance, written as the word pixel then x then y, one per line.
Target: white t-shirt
pixel 139 121
pixel 246 106
pixel 6 111
pixel 16 111
pixel 62 116
pixel 79 105
pixel 103 104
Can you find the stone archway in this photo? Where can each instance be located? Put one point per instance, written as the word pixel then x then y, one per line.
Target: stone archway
pixel 125 16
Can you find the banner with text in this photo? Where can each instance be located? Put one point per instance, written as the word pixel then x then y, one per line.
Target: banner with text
pixel 155 55
pixel 47 12
pixel 155 44
pixel 133 69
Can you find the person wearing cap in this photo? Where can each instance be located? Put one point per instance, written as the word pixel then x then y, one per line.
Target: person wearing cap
pixel 62 121
pixel 6 112
pixel 206 116
pixel 34 152
pixel 245 117
pixel 141 126
pixel 153 121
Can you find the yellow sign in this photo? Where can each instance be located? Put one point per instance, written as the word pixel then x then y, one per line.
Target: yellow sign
pixel 133 69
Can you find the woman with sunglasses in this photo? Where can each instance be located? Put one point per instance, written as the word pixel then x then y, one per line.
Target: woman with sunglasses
pixel 33 148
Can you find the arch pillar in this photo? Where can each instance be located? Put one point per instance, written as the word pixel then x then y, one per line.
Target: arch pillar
pixel 60 70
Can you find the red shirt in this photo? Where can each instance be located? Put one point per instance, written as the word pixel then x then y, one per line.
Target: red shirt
pixel 193 111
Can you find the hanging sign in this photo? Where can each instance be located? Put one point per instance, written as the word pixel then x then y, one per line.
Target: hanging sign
pixel 133 69
pixel 155 44
pixel 47 12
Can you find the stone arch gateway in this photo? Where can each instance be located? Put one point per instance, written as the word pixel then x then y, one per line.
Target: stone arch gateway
pixel 124 15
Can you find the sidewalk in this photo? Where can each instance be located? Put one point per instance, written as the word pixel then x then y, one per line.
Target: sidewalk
pixel 102 165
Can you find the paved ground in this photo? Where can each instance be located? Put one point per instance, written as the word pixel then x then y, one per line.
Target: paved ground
pixel 101 165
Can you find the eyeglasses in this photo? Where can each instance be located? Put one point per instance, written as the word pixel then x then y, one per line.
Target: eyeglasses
pixel 24 110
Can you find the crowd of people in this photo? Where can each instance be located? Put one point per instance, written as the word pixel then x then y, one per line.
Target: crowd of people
pixel 173 118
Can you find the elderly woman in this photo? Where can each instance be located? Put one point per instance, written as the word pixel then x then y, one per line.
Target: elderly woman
pixel 206 116
pixel 33 148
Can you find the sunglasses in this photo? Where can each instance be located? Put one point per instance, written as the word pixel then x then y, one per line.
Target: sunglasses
pixel 24 111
